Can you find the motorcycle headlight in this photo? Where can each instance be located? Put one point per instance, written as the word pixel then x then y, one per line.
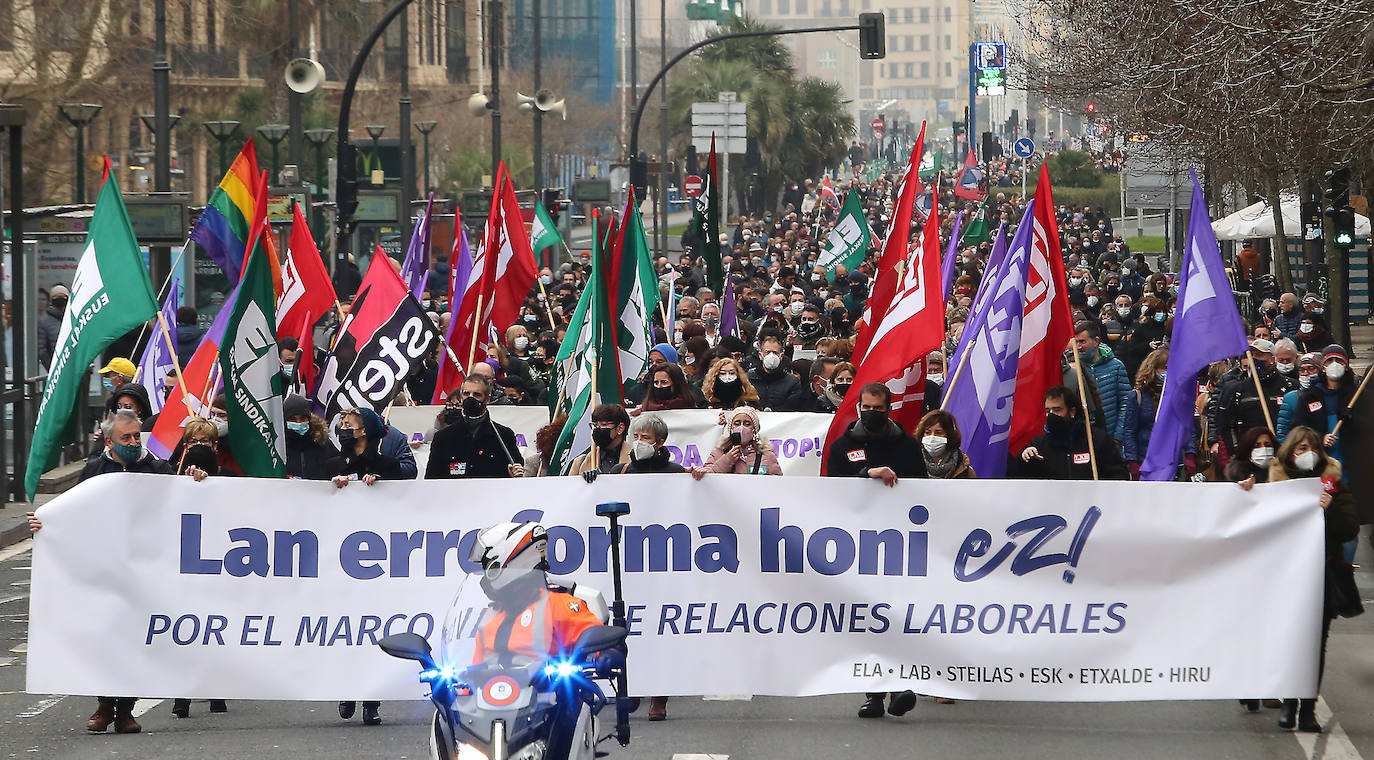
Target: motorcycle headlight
pixel 561 669
pixel 532 751
pixel 469 752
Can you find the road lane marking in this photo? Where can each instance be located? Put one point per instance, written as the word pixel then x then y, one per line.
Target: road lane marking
pixel 144 705
pixel 1332 743
pixel 14 598
pixel 21 649
pixel 38 709
pixel 6 661
pixel 728 698
pixel 681 756
pixel 10 552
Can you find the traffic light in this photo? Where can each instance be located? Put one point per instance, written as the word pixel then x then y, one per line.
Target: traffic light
pixel 1092 107
pixel 692 167
pixel 958 128
pixel 551 197
pixel 872 36
pixel 1030 127
pixel 347 195
pixel 1340 213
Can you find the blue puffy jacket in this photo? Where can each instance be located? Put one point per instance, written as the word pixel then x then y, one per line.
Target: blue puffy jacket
pixel 1137 422
pixel 1113 386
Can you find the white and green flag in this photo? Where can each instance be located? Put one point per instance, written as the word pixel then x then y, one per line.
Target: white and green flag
pixel 931 163
pixel 543 232
pixel 110 296
pixel 253 383
pixel 631 281
pixel 585 376
pixel 848 240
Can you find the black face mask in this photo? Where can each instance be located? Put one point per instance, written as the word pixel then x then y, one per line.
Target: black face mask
pixel 1057 426
pixel 536 362
pixel 728 392
pixel 347 436
pixel 842 388
pixel 473 407
pixel 201 455
pixel 59 303
pixel 601 437
pixel 874 420
pixel 452 414
pixel 808 329
pixel 662 394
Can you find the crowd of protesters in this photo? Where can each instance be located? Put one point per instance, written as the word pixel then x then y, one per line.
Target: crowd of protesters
pixel 1269 415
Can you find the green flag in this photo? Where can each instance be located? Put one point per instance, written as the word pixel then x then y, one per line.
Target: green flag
pixel 251 367
pixel 848 240
pixel 706 223
pixel 543 232
pixel 632 280
pixel 110 296
pixel 587 365
pixel 977 231
pixel 931 163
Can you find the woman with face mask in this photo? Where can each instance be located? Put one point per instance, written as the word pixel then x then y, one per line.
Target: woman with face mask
pixel 1138 418
pixel 727 386
pixel 1303 456
pixel 667 389
pixel 940 440
pixel 308 447
pixel 743 449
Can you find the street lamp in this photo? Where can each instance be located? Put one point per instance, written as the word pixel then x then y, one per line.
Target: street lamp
pixel 79 115
pixel 375 132
pixel 150 121
pixel 274 134
pixel 426 126
pixel 319 137
pixel 223 131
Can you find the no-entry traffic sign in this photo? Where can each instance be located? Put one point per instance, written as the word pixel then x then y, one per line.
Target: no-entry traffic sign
pixel 692 185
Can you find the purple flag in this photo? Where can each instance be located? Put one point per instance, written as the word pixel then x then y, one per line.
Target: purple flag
pixel 729 317
pixel 980 299
pixel 157 363
pixel 950 264
pixel 415 268
pixel 459 273
pixel 980 396
pixel 1207 328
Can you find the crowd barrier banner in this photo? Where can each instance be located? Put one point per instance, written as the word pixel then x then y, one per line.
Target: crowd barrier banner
pixel 692 433
pixel 240 588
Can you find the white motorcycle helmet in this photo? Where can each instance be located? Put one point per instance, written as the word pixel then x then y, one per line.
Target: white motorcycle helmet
pixel 508 552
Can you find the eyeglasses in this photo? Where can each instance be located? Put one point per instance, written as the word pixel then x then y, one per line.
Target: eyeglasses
pixel 195 441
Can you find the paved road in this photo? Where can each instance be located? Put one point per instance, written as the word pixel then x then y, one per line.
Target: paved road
pixel 51 726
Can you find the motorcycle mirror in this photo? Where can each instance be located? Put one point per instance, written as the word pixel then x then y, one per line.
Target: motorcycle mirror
pixel 408 646
pixel 596 639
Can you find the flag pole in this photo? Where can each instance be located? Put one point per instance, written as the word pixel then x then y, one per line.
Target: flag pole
pixel 476 333
pixel 547 310
pixel 958 371
pixel 1259 393
pixel 1083 401
pixel 1354 399
pixel 172 347
pixel 209 383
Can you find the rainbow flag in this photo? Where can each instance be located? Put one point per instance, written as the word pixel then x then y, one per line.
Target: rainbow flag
pixel 223 227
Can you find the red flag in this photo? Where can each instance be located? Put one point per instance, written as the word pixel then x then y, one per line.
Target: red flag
pixel 970 184
pixel 912 326
pixel 468 325
pixel 261 227
pixel 305 357
pixel 1046 325
pixel 828 196
pixel 896 247
pixel 306 292
pixel 516 269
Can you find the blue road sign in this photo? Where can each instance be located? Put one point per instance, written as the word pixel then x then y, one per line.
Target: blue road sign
pixel 1024 147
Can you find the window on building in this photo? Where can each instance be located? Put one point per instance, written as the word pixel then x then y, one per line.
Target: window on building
pixel 909 41
pixel 866 92
pixel 949 42
pixel 826 59
pixel 949 69
pixel 455 40
pixel 910 14
pixel 909 70
pixel 187 25
pixel 925 70
pixel 846 9
pixel 6 24
pixel 211 25
pixel 784 7
pixel 824 10
pixel 866 74
pixel 925 42
pixel 924 15
pixel 803 7
pixel 948 17
pixel 766 7
pixel 892 43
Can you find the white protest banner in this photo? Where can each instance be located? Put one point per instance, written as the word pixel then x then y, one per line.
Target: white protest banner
pixel 1013 590
pixel 692 433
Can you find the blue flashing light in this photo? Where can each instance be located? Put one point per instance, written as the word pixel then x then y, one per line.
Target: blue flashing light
pixel 562 668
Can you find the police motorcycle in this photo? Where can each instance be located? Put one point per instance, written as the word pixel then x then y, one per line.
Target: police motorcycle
pixel 517 673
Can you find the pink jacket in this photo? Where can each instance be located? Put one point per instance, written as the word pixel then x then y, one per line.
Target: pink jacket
pixel 740 460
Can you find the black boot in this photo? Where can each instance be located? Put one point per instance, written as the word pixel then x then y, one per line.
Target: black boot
pixel 346 709
pixel 181 708
pixel 1307 717
pixel 1250 705
pixel 218 706
pixel 1288 715
pixel 370 714
pixel 872 706
pixel 902 702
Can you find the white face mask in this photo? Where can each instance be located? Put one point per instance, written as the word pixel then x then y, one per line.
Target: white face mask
pixel 730 378
pixel 935 377
pixel 1262 455
pixel 1306 461
pixel 1305 380
pixel 1306 328
pixel 1285 367
pixel 221 427
pixel 771 361
pixel 1335 371
pixel 521 343
pixel 796 307
pixel 1093 301
pixel 1075 282
pixel 1123 311
pixel 641 450
pixel 934 444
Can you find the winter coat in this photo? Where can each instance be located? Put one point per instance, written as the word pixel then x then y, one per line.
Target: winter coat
pixel 1113 386
pixel 308 460
pixel 581 463
pixel 394 444
pixel 370 462
pixel 1138 422
pixel 1068 459
pixel 472 449
pixel 1239 406
pixel 1341 524
pixel 779 391
pixel 49 325
pixel 103 463
pixel 757 458
pixel 1287 324
pixel 962 471
pixel 188 339
pixel 1314 406
pixel 858 451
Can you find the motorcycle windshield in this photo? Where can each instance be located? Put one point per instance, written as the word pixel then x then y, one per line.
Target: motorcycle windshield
pixel 498 620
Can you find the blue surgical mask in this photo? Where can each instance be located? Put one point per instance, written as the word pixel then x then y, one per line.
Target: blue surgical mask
pixel 107 384
pixel 1163 374
pixel 1160 316
pixel 299 428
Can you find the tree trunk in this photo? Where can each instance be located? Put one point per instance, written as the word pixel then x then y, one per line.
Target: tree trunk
pixel 1337 293
pixel 1282 273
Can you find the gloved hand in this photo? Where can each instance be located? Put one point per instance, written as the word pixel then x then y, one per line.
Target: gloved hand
pixel 590 475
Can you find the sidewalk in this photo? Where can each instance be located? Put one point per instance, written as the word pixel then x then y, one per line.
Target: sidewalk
pixel 14 521
pixel 1361 348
